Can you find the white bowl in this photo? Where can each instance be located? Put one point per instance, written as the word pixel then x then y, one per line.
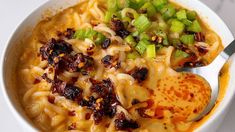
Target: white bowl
pixel 11 56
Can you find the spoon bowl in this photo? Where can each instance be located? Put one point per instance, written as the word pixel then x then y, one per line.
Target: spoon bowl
pixel 211 73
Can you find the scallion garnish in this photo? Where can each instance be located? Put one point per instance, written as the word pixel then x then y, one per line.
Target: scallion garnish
pixel 168 11
pixel 129 11
pixel 135 34
pixel 194 27
pixel 180 53
pixel 142 23
pixel 186 22
pixel 135 4
pixel 132 55
pixel 165 41
pixel 89 33
pixel 150 9
pixel 181 14
pixel 123 4
pixel 80 34
pixel 130 40
pixel 113 5
pixel 108 16
pixel 99 38
pixel 151 51
pixel 191 15
pixel 187 39
pixel 159 4
pixel 177 26
pixel 141 46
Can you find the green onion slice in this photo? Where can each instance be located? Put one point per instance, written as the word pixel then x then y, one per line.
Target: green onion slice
pixel 177 26
pixel 180 53
pixel 194 27
pixel 130 40
pixel 141 46
pixel 187 39
pixel 181 14
pixel 142 23
pixel 151 51
pixel 126 11
pixel 159 4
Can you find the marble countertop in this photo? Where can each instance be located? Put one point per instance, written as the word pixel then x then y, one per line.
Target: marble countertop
pixel 12 13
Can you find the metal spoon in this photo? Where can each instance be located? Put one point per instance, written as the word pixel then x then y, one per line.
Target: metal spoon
pixel 211 74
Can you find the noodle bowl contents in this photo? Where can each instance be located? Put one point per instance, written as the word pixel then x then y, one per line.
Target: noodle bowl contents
pixel 109 66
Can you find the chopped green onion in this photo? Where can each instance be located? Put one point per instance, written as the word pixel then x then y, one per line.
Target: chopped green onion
pixel 126 21
pixel 151 51
pixel 175 42
pixel 141 1
pixel 168 11
pixel 108 16
pixel 170 21
pixel 95 36
pixel 123 4
pixel 142 23
pixel 191 15
pixel 181 15
pixel 160 33
pixel 177 26
pixel 113 5
pixel 187 39
pixel 132 4
pixel 90 33
pixel 159 4
pixel 135 34
pixel 126 11
pixel 135 4
pixel 186 22
pixel 165 42
pixel 141 46
pixel 100 38
pixel 84 33
pixel 180 53
pixel 118 14
pixel 130 40
pixel 194 27
pixel 133 55
pixel 148 6
pixel 144 36
pixel 162 26
pixel 80 34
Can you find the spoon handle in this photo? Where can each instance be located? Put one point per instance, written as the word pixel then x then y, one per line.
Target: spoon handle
pixel 230 49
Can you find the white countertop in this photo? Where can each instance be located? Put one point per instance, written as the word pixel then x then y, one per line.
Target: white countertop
pixel 12 12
